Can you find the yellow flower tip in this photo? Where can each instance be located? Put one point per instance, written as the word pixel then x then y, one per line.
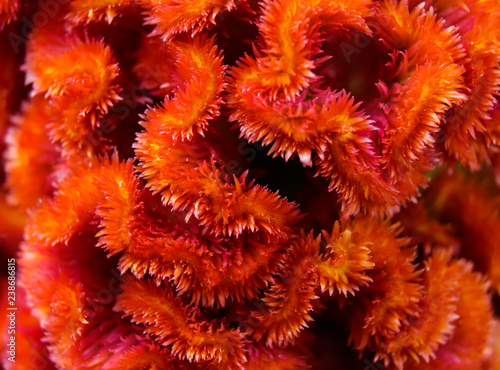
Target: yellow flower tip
pixel 173 17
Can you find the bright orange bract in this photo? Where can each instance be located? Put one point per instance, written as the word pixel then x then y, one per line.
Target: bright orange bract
pixel 251 184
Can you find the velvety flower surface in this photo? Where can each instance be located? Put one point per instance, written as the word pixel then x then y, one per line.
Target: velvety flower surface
pixel 251 184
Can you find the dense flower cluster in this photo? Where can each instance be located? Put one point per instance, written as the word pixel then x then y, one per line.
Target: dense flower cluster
pixel 252 184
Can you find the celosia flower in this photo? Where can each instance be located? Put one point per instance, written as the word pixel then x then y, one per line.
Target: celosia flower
pixel 227 184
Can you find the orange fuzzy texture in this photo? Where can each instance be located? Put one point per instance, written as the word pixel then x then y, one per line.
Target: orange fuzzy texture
pixel 466 204
pixel 151 249
pixel 473 310
pixel 8 11
pixel 291 35
pixel 283 68
pixel 289 301
pixel 275 359
pixel 470 134
pixel 189 178
pixel 268 99
pixel 187 174
pixel 58 219
pixel 65 321
pixel 30 155
pixel 330 124
pixel 85 11
pixel 175 16
pixel 357 178
pixel 55 67
pixel 73 299
pixel 382 308
pixel 433 322
pixel 207 269
pixel 429 82
pixel 347 260
pixel 199 66
pixel 166 318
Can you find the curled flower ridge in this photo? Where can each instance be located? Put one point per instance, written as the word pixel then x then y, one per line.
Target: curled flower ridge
pixel 346 261
pixel 173 16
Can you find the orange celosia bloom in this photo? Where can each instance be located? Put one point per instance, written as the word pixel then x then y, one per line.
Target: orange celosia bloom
pixel 67 82
pixel 190 179
pixel 345 269
pixel 178 250
pixel 275 99
pixel 227 184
